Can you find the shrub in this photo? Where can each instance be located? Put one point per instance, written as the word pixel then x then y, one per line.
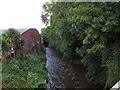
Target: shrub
pixel 27 73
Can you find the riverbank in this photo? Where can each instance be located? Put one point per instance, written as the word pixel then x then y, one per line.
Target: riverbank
pixel 66 75
pixel 27 73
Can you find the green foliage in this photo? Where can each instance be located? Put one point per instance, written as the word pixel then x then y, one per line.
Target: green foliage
pixel 113 66
pixel 28 74
pixel 45 15
pixel 90 32
pixel 113 72
pixel 12 38
pixel 0 72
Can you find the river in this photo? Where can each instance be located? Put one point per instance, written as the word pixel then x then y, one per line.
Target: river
pixel 64 75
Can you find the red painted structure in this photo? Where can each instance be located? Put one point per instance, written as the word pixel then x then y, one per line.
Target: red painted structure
pixel 32 41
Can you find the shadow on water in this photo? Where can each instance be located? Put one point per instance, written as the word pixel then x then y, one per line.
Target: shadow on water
pixel 64 75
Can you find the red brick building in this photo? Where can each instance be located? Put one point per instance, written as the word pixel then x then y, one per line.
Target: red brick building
pixel 32 41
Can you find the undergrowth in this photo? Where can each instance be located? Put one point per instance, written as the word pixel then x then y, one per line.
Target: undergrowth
pixel 27 73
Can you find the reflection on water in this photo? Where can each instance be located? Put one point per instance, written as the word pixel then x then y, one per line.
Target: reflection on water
pixel 64 75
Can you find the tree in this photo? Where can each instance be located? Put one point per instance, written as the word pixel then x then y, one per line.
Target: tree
pixel 12 39
pixel 89 32
pixel 46 13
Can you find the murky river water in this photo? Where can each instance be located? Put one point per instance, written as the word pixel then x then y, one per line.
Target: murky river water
pixel 64 75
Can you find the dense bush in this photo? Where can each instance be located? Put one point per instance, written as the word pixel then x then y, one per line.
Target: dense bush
pixel 90 32
pixel 30 73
